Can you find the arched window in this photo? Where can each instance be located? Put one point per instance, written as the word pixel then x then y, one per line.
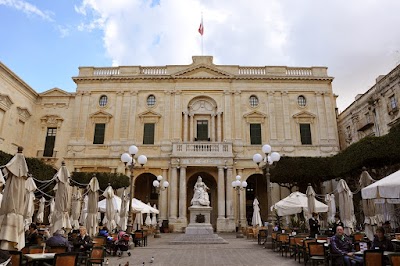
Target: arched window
pixel 301 101
pixel 103 100
pixel 151 100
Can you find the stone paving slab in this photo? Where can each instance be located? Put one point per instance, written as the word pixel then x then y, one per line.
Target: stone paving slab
pixel 238 251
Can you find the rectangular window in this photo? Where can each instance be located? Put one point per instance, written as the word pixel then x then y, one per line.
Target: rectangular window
pixel 202 130
pixel 255 134
pixel 99 132
pixel 305 134
pixel 148 134
pixel 393 102
pixel 50 141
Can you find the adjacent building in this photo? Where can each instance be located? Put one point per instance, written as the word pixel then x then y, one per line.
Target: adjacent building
pixel 200 119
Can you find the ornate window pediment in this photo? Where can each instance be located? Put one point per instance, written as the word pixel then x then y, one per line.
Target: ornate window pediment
pixel 51 121
pixel 202 105
pixel 304 117
pixel 5 102
pixel 100 117
pixel 23 113
pixel 149 117
pixel 255 117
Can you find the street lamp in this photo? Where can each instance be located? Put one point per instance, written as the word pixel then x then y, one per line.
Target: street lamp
pixel 269 161
pixel 156 184
pixel 238 186
pixel 129 160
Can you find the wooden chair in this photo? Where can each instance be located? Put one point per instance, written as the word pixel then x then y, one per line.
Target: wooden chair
pixel 58 250
pixel 16 257
pixel 250 232
pixel 373 258
pixel 394 259
pixel 316 252
pixel 303 250
pixel 357 237
pixel 298 240
pixel 99 241
pixel 64 259
pixel 262 236
pixel 274 236
pixel 283 243
pixel 322 237
pixel 139 238
pixel 96 256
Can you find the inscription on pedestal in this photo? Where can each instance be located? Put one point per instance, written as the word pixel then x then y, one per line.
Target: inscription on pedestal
pixel 200 218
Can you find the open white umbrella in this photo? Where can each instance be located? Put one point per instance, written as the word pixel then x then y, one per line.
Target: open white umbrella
pixel 310 200
pixel 124 211
pixel 116 201
pixel 82 218
pixel 40 213
pixel 110 210
pixel 29 208
pixel 386 188
pixel 12 235
pixel 93 197
pixel 76 208
pixel 256 219
pixel 346 206
pixel 60 217
pixel 296 202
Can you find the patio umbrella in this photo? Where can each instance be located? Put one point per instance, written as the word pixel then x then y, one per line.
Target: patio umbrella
pixel 2 182
pixel 256 219
pixel 93 197
pixel 370 218
pixel 51 206
pixel 346 207
pixel 296 202
pixel 154 217
pixel 310 200
pixel 12 210
pixel 40 213
pixel 124 211
pixel 29 207
pixel 148 218
pixel 76 208
pixel 110 210
pixel 82 218
pixel 137 224
pixel 388 188
pixel 330 201
pixel 60 216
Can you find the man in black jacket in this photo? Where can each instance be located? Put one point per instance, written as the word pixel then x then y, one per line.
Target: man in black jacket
pixel 314 225
pixel 82 242
pixel 342 245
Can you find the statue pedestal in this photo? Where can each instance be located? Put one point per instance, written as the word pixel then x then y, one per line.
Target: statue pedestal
pixel 199 230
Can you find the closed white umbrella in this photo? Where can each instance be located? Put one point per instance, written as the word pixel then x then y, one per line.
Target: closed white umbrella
pixel 40 213
pixel 82 218
pixel 93 197
pixel 310 200
pixel 76 208
pixel 124 211
pixel 346 207
pixel 256 219
pixel 29 208
pixel 148 218
pixel 370 218
pixel 110 210
pixel 330 201
pixel 154 217
pixel 2 182
pixel 137 224
pixel 52 204
pixel 60 217
pixel 12 235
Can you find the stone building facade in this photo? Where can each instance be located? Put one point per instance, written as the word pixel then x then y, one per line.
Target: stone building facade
pixel 191 120
pixel 372 113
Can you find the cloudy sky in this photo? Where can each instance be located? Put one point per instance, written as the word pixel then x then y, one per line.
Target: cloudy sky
pixel 44 42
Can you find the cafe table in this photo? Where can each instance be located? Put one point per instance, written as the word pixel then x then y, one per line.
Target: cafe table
pixel 385 253
pixel 38 258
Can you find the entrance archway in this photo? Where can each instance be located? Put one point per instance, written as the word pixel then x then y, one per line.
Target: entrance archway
pixel 256 188
pixel 212 193
pixel 144 189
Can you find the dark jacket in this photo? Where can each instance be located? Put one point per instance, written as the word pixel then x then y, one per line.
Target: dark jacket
pixel 82 243
pixel 335 225
pixel 58 241
pixel 32 238
pixel 314 227
pixel 385 244
pixel 341 245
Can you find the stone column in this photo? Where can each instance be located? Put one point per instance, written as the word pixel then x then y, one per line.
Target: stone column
pixel 219 128
pixel 163 197
pixel 132 118
pixel 173 194
pixel 229 191
pixel 212 128
pixel 185 126
pixel 191 125
pixel 182 194
pixel 167 115
pixel 221 192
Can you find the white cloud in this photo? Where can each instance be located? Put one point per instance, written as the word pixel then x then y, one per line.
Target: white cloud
pixel 27 8
pixel 357 40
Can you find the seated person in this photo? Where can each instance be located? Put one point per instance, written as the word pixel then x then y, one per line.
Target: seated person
pixel 381 241
pixel 386 226
pixel 82 242
pixel 58 240
pixel 104 231
pixel 32 235
pixel 341 244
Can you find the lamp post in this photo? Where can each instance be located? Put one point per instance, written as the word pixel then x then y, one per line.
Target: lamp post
pixel 238 186
pixel 129 160
pixel 156 184
pixel 269 161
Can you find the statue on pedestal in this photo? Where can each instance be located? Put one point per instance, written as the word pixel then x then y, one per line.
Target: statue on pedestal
pixel 200 196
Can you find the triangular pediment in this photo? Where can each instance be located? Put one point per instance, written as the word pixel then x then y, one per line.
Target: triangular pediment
pixel 55 92
pixel 304 117
pixel 202 71
pixel 255 117
pixel 100 117
pixel 5 102
pixel 149 117
pixel 23 113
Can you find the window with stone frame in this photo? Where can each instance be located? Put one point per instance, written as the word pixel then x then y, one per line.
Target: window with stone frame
pixel 103 100
pixel 99 133
pixel 148 133
pixel 393 102
pixel 301 101
pixel 305 134
pixel 255 134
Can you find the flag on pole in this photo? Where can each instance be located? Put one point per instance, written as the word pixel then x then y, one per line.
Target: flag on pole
pixel 201 28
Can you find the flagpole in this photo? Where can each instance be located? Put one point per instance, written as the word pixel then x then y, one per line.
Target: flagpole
pixel 202 34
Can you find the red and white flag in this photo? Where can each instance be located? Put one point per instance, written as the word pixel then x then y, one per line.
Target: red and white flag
pixel 201 28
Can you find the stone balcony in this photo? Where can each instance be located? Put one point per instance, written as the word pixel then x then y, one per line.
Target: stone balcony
pixel 202 149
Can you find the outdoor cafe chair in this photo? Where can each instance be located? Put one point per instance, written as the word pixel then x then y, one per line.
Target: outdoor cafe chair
pixel 303 250
pixel 16 257
pixel 99 241
pixel 96 257
pixel 64 259
pixel 274 236
pixel 283 243
pixel 262 236
pixel 38 249
pixel 373 258
pixel 394 259
pixel 298 240
pixel 316 252
pixel 250 232
pixel 357 237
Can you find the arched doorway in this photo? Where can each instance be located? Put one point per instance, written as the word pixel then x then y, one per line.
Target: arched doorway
pixel 256 188
pixel 212 193
pixel 144 189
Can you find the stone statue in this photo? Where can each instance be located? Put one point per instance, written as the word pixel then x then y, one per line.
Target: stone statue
pixel 200 196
